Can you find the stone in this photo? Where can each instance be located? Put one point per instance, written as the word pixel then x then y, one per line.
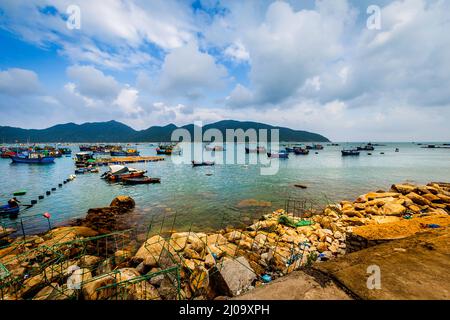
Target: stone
pixel 123 202
pixel 105 266
pixel 89 261
pixel 121 255
pixel 393 209
pixel 418 199
pixel 431 197
pixel 216 239
pixel 232 277
pixel 199 279
pixel 322 246
pixel 168 288
pixel 90 291
pixel 151 248
pixel 414 208
pixel 403 188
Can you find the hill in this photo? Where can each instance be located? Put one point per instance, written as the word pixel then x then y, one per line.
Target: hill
pixel 113 131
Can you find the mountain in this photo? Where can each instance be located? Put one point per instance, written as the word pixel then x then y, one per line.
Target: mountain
pixel 113 131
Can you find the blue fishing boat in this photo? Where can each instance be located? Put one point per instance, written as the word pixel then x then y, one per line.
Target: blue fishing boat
pixel 6 209
pixel 281 155
pixel 32 158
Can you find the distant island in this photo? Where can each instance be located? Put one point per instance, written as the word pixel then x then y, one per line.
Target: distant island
pixel 113 131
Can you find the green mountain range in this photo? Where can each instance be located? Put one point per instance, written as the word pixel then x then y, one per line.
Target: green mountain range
pixel 113 131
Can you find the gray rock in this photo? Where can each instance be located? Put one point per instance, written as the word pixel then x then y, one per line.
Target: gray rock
pixel 232 276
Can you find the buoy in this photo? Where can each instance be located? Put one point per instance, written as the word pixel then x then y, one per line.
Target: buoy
pixel 60 185
pixel 33 201
pixel 41 197
pixel 64 181
pixel 47 193
pixel 53 189
pixel 19 193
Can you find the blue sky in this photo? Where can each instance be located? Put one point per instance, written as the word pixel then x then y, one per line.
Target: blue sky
pixel 311 65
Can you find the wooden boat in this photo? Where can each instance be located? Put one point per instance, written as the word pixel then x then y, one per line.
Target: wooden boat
pixel 140 180
pixel 351 152
pixel 256 150
pixel 301 151
pixel 118 172
pixel 203 163
pixel 315 147
pixel 32 158
pixel 368 147
pixel 8 154
pixel 125 153
pixel 214 148
pixel 6 209
pixel 289 149
pixel 279 155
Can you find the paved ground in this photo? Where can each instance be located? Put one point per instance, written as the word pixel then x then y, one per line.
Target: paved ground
pixel 413 268
pixel 296 286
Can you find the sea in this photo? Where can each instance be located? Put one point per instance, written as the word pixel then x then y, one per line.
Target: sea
pixel 212 197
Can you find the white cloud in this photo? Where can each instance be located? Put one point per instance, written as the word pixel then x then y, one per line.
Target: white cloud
pixel 188 72
pixel 127 101
pixel 15 81
pixel 92 82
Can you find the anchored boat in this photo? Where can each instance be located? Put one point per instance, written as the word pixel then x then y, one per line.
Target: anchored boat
pixel 32 158
pixel 351 152
pixel 202 163
pixel 140 180
pixel 6 209
pixel 118 172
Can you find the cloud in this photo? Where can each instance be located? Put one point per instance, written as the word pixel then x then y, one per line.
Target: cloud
pixel 188 72
pixel 116 34
pixel 92 82
pixel 17 82
pixel 289 46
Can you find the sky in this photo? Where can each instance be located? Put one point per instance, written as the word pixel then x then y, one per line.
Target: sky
pixel 336 67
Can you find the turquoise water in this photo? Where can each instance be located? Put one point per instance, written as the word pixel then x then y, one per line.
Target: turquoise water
pixel 210 201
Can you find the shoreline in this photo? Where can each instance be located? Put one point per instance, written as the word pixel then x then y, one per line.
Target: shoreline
pixel 105 263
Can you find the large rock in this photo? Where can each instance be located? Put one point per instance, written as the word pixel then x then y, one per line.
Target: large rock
pixel 417 199
pixel 393 209
pixel 124 202
pixel 92 291
pixel 150 250
pixel 232 277
pixel 403 188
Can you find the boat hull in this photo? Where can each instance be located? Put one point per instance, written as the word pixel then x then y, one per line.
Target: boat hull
pixel 141 180
pixel 43 160
pixel 8 210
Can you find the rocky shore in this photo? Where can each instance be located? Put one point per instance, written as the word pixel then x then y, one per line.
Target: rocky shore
pixel 86 261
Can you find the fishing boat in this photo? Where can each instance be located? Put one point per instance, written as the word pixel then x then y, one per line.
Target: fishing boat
pixel 84 159
pixel 8 154
pixel 289 149
pixel 65 151
pixel 280 155
pixel 367 147
pixel 124 153
pixel 256 150
pixel 6 209
pixel 140 180
pixel 315 147
pixel 214 148
pixel 350 152
pixel 32 158
pixel 301 151
pixel 119 172
pixel 202 163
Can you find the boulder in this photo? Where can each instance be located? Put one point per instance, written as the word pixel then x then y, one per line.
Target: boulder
pixel 150 250
pixel 90 290
pixel 88 261
pixel 417 199
pixel 393 209
pixel 199 279
pixel 123 202
pixel 403 188
pixel 232 277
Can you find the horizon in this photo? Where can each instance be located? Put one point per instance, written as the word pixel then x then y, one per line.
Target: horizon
pixel 316 66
